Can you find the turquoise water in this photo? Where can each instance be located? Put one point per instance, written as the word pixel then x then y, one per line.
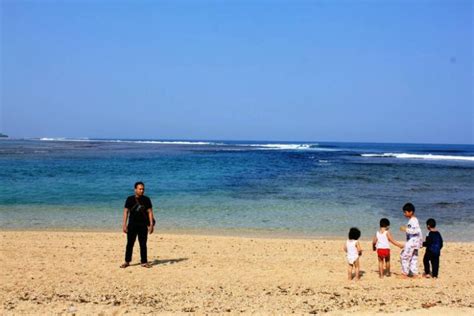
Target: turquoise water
pixel 297 188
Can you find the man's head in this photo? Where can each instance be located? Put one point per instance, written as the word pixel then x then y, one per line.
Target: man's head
pixel 408 210
pixel 139 188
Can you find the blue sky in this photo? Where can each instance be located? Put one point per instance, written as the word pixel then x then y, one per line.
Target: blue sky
pixel 369 71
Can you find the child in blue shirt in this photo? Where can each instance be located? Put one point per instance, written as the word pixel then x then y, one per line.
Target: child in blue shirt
pixel 433 244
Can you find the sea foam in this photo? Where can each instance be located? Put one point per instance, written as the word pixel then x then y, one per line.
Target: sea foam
pixel 63 139
pixel 281 146
pixel 171 142
pixel 420 156
pixel 312 147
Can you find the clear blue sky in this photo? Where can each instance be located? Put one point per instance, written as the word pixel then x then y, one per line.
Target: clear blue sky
pixel 382 71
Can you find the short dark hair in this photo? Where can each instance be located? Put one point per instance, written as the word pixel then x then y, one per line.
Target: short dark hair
pixel 409 207
pixel 139 183
pixel 384 222
pixel 431 223
pixel 354 233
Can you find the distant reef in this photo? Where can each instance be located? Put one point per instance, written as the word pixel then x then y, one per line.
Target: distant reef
pixel 3 135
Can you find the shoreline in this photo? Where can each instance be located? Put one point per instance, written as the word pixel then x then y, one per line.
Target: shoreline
pixel 238 233
pixel 47 272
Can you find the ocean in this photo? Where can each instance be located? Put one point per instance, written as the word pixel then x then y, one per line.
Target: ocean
pixel 306 189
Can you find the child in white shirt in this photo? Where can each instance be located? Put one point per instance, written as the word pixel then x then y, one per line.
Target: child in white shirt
pixel 381 243
pixel 409 255
pixel 354 251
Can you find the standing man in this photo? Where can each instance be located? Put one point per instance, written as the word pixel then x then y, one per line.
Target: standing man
pixel 138 210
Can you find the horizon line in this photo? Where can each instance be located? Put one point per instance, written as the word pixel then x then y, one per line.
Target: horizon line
pixel 229 140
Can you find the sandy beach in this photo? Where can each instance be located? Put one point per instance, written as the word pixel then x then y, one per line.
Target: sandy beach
pixel 78 273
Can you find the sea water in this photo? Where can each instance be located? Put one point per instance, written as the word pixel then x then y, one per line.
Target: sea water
pixel 308 189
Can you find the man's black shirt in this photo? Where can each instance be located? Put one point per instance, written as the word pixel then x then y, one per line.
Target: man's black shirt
pixel 138 210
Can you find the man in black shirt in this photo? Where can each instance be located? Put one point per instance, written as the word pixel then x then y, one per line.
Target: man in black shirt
pixel 138 210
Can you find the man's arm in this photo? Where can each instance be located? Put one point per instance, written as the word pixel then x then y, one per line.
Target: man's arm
pixel 150 217
pixel 124 221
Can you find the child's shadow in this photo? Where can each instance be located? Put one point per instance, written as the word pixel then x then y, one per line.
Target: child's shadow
pixel 361 273
pixel 157 262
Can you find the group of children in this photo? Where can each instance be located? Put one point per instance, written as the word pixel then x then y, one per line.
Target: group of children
pixel 409 255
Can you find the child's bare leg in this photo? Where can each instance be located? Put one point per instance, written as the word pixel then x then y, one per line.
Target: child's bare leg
pixel 380 267
pixel 387 266
pixel 357 268
pixel 349 271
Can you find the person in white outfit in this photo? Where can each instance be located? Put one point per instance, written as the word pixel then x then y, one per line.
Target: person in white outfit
pixel 409 255
pixel 353 251
pixel 381 243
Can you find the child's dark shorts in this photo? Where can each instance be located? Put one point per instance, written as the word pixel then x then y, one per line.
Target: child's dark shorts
pixel 383 253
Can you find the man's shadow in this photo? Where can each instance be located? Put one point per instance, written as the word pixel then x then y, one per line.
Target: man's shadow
pixel 157 262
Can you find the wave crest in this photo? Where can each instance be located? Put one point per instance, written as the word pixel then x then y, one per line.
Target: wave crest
pixel 420 156
pixel 64 139
pixel 311 147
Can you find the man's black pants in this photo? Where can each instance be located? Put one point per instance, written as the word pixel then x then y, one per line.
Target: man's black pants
pixel 133 231
pixel 434 260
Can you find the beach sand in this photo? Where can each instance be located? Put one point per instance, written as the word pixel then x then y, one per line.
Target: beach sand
pixel 78 273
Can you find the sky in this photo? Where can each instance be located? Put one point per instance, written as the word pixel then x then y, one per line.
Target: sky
pixel 358 71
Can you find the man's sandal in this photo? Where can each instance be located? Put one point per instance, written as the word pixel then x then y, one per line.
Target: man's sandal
pixel 146 265
pixel 124 265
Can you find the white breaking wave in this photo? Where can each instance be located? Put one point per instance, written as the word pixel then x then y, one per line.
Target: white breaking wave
pixel 311 147
pixel 174 142
pixel 51 139
pixel 281 146
pixel 287 147
pixel 63 139
pixel 420 156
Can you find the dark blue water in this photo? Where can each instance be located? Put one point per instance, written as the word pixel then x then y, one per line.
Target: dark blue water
pixel 311 189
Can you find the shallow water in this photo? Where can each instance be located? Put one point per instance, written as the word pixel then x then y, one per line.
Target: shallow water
pixel 309 189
